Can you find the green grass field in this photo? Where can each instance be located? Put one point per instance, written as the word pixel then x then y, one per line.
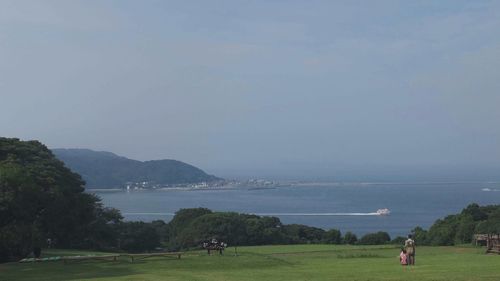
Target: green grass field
pixel 293 262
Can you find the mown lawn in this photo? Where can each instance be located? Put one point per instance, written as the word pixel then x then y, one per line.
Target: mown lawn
pixel 293 262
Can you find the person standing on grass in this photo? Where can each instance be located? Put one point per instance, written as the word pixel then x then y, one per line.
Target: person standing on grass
pixel 403 257
pixel 410 249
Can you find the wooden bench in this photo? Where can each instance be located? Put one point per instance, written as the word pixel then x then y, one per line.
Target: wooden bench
pixel 493 250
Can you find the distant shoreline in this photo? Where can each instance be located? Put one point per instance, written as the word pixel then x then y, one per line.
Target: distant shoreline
pixel 282 184
pixel 161 189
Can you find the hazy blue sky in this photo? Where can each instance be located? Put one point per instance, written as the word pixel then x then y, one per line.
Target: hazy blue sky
pixel 326 89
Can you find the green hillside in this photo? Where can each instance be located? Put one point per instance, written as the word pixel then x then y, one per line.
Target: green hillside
pixel 294 262
pixel 102 169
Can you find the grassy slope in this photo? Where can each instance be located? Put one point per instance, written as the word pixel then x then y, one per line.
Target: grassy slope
pixel 296 262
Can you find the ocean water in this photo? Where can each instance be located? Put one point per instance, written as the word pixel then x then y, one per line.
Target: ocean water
pixel 341 206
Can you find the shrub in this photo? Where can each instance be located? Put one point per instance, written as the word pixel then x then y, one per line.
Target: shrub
pixel 399 240
pixel 377 238
pixel 138 237
pixel 350 238
pixel 332 236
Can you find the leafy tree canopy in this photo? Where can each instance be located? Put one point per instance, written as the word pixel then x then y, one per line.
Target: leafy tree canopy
pixel 40 198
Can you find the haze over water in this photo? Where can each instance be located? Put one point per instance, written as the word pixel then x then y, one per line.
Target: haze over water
pixel 410 204
pixel 361 90
pixel 318 90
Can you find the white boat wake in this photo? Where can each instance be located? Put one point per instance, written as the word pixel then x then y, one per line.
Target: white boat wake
pixel 317 214
pixel 490 189
pixel 379 212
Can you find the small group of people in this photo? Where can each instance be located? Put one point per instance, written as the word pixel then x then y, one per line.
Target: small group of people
pixel 214 245
pixel 407 255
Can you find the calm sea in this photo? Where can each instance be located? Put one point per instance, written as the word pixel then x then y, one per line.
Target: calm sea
pixel 318 205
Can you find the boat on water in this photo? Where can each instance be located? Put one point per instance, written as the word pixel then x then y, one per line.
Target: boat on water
pixel 383 212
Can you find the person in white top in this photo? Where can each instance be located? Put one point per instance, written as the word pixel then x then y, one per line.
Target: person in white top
pixel 410 249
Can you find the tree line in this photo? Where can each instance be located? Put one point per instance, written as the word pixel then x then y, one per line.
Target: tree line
pixel 460 228
pixel 41 200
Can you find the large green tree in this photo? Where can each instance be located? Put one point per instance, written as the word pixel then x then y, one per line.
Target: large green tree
pixel 40 198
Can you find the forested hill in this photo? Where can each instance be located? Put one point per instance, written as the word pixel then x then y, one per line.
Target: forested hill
pixel 102 169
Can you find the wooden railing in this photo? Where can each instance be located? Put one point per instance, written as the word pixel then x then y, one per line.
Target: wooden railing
pixel 112 257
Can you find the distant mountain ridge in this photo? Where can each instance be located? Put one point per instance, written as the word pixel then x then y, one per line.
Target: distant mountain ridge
pixel 102 169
